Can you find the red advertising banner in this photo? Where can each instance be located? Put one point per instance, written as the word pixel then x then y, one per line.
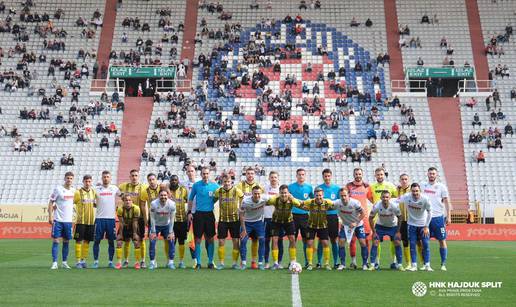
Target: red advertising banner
pixel 457 232
pixel 18 230
pixel 480 232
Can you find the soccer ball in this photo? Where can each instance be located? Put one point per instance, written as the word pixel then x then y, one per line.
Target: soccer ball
pixel 296 268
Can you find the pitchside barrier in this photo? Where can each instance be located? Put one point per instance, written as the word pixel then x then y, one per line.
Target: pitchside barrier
pixel 31 222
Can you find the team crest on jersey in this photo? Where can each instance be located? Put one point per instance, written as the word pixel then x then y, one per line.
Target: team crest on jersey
pixel 305 195
pixel 210 193
pixel 333 196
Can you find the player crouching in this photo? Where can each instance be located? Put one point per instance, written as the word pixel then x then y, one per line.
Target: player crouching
pixel 128 216
pixel 162 213
pixel 388 224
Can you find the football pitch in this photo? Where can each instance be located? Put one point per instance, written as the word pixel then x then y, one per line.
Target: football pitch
pixel 27 280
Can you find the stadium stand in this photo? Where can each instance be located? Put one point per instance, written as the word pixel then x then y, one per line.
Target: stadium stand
pixel 21 169
pixel 342 51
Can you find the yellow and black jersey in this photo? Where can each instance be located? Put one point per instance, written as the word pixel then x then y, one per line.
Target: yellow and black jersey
pixel 180 197
pixel 317 212
pixel 229 202
pixel 128 214
pixel 84 201
pixel 282 210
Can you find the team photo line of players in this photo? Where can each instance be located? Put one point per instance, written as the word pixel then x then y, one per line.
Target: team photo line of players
pixel 409 214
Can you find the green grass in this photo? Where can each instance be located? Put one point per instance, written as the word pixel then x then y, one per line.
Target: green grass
pixel 27 280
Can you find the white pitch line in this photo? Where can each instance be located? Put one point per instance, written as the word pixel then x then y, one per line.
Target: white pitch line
pixel 296 293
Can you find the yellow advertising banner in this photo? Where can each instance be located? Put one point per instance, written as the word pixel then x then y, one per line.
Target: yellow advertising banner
pixel 23 213
pixel 505 215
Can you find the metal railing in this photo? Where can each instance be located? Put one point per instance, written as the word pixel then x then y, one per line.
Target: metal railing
pixel 472 86
pixel 408 86
pixel 109 86
pixel 173 85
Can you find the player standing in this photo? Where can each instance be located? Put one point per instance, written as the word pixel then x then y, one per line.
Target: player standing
pixel 352 217
pixel 283 223
pixel 404 188
pixel 437 194
pixel 179 194
pixel 188 182
pixel 60 215
pixel 387 224
pixel 162 214
pixel 301 191
pixel 107 195
pixel 148 194
pixel 229 198
pixel 374 195
pixel 317 225
pixel 271 189
pixel 128 216
pixel 251 221
pixel 134 189
pixel 358 189
pixel 331 192
pixel 419 217
pixel 84 201
pixel 203 193
pixel 246 186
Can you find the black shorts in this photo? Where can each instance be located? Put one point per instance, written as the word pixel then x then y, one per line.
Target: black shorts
pixel 84 232
pixel 404 231
pixel 141 228
pixel 269 229
pixel 127 233
pixel 181 231
pixel 322 233
pixel 333 226
pixel 283 229
pixel 203 224
pixel 232 227
pixel 301 224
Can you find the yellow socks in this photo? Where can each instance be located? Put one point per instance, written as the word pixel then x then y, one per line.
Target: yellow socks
pixel 143 250
pixel 126 250
pixel 181 252
pixel 78 250
pixel 221 252
pixel 393 252
pixel 254 250
pixel 235 253
pixel 167 247
pixel 85 250
pixel 309 254
pixel 119 252
pixel 292 254
pixel 275 255
pixel 379 253
pixel 138 254
pixel 326 255
pixel 406 255
pixel 420 252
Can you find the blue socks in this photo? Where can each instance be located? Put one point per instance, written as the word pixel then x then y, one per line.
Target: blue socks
pixel 171 249
pixel 335 252
pixel 399 256
pixel 426 250
pixel 243 248
pixel 444 254
pixel 413 254
pixel 374 253
pixel 211 251
pixel 342 255
pixel 55 246
pixel 152 250
pixel 280 249
pixel 261 249
pixel 365 254
pixel 198 252
pixel 96 250
pixel 267 249
pixel 64 252
pixel 111 249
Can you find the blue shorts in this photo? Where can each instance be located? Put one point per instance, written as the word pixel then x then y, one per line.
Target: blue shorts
pixel 437 228
pixel 105 227
pixel 415 233
pixel 163 230
pixel 359 232
pixel 382 231
pixel 62 230
pixel 257 228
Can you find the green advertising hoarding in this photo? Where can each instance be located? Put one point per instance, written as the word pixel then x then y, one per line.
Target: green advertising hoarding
pixel 142 72
pixel 440 72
